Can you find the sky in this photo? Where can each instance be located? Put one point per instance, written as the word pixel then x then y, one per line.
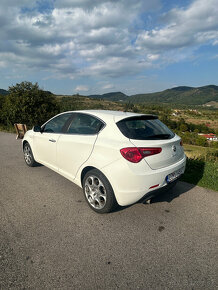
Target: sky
pixel 100 46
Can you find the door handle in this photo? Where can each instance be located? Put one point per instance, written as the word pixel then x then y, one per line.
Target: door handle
pixel 52 140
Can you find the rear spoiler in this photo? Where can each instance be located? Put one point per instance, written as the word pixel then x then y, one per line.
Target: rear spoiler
pixel 140 117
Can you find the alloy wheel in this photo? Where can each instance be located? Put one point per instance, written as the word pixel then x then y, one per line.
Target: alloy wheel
pixel 95 192
pixel 27 154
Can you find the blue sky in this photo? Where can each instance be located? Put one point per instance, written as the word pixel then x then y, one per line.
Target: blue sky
pixel 98 46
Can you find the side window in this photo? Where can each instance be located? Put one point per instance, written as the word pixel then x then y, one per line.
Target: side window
pixel 56 124
pixel 85 125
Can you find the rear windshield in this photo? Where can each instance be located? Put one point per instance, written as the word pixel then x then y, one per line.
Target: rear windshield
pixel 144 128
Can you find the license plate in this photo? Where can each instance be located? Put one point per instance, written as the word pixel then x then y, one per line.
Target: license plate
pixel 174 175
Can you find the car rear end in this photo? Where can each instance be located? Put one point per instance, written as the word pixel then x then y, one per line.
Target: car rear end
pixel 151 160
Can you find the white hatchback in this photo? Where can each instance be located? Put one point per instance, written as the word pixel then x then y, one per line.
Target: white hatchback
pixel 116 157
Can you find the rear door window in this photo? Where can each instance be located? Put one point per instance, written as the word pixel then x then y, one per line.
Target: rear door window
pixel 144 128
pixel 85 125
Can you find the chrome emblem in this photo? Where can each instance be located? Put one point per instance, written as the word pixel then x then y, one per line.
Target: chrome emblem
pixel 174 148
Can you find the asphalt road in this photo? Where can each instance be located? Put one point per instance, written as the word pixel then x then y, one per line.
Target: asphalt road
pixel 50 239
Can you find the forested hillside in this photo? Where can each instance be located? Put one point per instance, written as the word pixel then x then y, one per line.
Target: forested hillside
pixel 178 95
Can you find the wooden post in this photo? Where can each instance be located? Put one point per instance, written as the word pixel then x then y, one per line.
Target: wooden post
pixel 20 130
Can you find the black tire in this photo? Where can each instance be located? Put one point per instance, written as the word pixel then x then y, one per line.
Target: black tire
pixel 28 155
pixel 98 192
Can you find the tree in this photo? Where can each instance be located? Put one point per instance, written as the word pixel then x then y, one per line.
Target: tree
pixel 201 141
pixel 27 103
pixel 183 127
pixel 2 100
pixel 128 107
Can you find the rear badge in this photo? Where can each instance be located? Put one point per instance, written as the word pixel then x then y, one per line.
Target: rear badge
pixel 174 150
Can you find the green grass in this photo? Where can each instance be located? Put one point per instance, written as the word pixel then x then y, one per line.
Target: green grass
pixel 202 173
pixel 199 152
pixel 202 166
pixel 9 129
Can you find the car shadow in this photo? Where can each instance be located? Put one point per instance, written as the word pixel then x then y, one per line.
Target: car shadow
pixel 38 165
pixel 193 174
pixel 179 189
pixel 194 170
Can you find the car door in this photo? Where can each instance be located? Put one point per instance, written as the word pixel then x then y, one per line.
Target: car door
pixel 76 145
pixel 45 142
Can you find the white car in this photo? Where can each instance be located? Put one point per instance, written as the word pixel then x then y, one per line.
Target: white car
pixel 116 157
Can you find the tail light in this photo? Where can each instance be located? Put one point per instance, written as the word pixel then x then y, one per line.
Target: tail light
pixel 135 155
pixel 181 143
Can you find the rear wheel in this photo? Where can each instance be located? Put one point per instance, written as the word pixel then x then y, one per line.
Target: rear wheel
pixel 28 155
pixel 98 192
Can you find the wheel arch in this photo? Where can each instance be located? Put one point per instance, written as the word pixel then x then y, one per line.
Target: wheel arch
pixel 30 142
pixel 84 171
pixel 24 143
pixel 88 168
pixel 111 203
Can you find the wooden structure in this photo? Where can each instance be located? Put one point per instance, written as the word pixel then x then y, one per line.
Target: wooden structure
pixel 21 130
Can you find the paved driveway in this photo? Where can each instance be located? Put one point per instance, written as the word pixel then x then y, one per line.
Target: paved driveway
pixel 50 239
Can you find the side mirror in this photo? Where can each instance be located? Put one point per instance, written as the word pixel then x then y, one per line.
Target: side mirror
pixel 37 129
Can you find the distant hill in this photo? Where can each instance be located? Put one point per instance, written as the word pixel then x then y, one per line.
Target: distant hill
pixel 114 96
pixel 178 95
pixel 48 92
pixel 211 104
pixel 3 92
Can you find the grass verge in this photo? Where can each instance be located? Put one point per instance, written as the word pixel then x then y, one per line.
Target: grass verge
pixel 199 152
pixel 201 173
pixel 202 166
pixel 8 129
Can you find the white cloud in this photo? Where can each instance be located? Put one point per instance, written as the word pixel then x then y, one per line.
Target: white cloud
pixel 108 86
pixel 153 56
pixel 78 38
pixel 114 67
pixel 215 42
pixel 81 88
pixel 131 5
pixel 2 64
pixel 184 28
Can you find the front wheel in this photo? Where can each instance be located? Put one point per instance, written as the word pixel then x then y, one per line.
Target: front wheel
pixel 28 155
pixel 98 192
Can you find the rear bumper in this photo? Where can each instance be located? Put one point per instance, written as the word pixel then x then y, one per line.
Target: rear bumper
pixel 132 183
pixel 161 190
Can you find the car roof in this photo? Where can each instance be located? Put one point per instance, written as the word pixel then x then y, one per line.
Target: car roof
pixel 109 115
